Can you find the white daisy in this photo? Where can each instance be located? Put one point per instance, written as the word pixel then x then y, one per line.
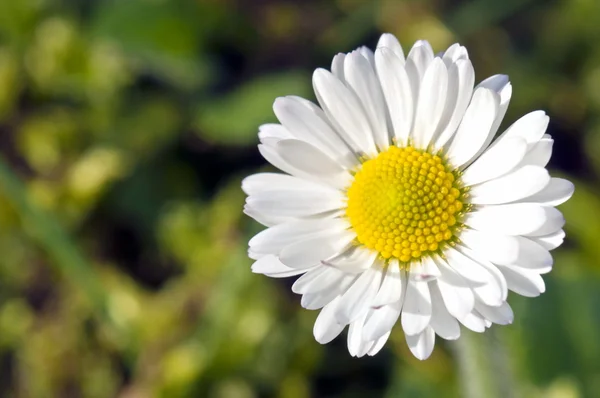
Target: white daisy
pixel 397 206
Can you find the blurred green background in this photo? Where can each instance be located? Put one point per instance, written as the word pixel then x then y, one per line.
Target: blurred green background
pixel 126 127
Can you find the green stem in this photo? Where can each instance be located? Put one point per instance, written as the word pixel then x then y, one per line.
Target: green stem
pixel 482 364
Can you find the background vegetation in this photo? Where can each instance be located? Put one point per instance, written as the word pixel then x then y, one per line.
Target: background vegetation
pixel 125 129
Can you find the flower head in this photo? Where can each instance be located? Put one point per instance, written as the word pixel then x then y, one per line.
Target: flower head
pixel 398 205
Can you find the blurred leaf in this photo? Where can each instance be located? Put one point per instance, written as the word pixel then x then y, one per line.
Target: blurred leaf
pixel 235 117
pixel 163 35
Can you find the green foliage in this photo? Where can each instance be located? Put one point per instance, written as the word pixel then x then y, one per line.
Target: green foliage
pixel 125 130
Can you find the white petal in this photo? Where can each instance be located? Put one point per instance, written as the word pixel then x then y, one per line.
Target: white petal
pixel 354 260
pixel 273 130
pixel 318 279
pixel 424 270
pixel 416 311
pixel 312 251
pixel 274 239
pixel 517 185
pixel 533 256
pixel 557 192
pixel 390 42
pixel 421 345
pixel 530 127
pixel 500 85
pixel 516 219
pixel 359 296
pixel 272 267
pixel 367 53
pixel 444 324
pixel 397 92
pixel 295 203
pixel 475 127
pixel 550 241
pixel 502 315
pixel 469 269
pixel 362 79
pixel 326 326
pixel 356 344
pixel 494 247
pixel 309 159
pixel 314 301
pixel 454 53
pixel 499 281
pixel 455 291
pixel 381 321
pixel 378 345
pixel 473 321
pixel 345 111
pixel 270 154
pixel 337 66
pixel 309 123
pixel 264 219
pixel 496 161
pixel 260 182
pixel 393 286
pixel 418 60
pixel 431 103
pixel 461 78
pixel 539 154
pixel 524 282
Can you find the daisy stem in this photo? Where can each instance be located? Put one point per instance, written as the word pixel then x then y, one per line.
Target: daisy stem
pixel 483 369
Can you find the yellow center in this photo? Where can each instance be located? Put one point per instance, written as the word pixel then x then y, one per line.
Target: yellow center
pixel 405 203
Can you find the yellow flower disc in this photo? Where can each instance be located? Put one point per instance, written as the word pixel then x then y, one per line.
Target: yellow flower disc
pixel 405 203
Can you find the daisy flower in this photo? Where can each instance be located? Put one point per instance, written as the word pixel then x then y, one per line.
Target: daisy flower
pixel 398 206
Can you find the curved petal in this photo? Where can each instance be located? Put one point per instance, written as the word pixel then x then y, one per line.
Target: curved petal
pixel 445 325
pixel 424 270
pixel 390 42
pixel 421 345
pixel 550 241
pixel 274 239
pixel 501 315
pixel 416 311
pixel 496 161
pixel 397 92
pixel 501 85
pixel 516 219
pixel 475 127
pixel 418 60
pixel 381 321
pixel 354 260
pixel 455 291
pixel 378 345
pixel 530 127
pixel 517 185
pixel 309 123
pixel 497 248
pixel 539 154
pixel 337 66
pixel 430 103
pixel 310 252
pixel 317 280
pixel 359 296
pixel 326 327
pixel 271 266
pixel 557 192
pixel 345 111
pixel 361 77
pixel 392 287
pixel 461 78
pixel 469 269
pixel 524 282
